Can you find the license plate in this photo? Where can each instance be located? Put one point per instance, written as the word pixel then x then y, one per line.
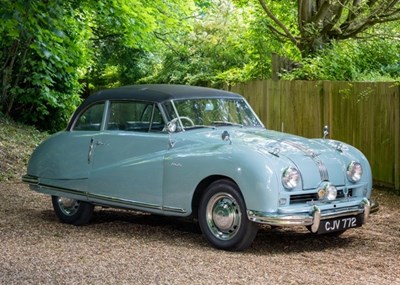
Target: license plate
pixel 339 224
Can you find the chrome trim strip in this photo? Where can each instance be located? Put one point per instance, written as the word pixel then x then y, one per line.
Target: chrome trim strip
pixel 30 179
pixel 323 171
pixel 43 188
pixel 135 204
pixel 123 201
pixel 106 115
pixel 174 209
pixel 58 191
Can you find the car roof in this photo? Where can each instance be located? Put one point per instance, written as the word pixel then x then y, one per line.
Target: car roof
pixel 158 93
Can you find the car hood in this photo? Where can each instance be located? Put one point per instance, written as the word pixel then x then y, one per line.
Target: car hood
pixel 316 159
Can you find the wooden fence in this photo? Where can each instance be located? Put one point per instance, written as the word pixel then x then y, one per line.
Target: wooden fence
pixel 365 115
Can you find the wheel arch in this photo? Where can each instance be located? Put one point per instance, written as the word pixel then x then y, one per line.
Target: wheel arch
pixel 201 188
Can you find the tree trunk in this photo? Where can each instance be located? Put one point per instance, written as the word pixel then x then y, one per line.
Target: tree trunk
pixel 281 64
pixel 7 70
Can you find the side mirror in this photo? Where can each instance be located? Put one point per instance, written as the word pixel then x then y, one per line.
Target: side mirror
pixel 226 137
pixel 171 127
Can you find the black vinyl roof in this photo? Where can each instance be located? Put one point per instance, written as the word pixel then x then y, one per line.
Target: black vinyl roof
pixel 158 93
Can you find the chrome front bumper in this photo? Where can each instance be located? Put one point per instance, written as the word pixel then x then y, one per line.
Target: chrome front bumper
pixel 314 216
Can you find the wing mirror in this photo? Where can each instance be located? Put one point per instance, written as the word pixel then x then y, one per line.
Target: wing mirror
pixel 226 137
pixel 171 126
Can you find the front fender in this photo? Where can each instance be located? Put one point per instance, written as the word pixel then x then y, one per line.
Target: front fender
pixel 255 174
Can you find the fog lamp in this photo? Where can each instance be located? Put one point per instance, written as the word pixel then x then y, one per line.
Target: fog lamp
pixel 328 192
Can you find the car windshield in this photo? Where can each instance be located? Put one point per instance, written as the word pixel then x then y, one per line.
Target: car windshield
pixel 204 112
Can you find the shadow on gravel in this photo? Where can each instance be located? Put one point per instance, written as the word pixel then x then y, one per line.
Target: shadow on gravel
pixel 185 233
pixel 284 240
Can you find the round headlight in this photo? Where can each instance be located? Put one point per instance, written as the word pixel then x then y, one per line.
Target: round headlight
pixel 290 178
pixel 354 171
pixel 331 192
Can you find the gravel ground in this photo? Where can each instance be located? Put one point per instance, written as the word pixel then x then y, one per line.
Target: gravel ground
pixel 125 247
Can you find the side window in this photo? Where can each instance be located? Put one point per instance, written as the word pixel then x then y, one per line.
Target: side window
pixel 90 119
pixel 134 116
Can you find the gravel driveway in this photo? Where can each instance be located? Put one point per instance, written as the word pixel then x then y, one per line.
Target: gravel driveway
pixel 122 247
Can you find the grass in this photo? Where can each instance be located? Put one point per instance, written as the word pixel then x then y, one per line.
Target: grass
pixel 17 141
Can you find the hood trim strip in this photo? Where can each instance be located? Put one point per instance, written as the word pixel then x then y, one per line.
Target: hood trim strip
pixel 323 171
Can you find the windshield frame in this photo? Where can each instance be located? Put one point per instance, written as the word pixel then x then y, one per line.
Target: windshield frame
pixel 173 115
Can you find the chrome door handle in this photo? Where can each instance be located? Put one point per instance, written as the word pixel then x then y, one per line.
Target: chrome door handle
pixel 90 150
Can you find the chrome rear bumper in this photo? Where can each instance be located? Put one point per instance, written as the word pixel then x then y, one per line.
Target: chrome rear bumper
pixel 314 216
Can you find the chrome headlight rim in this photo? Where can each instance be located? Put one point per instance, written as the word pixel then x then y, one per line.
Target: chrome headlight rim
pixel 291 178
pixel 331 192
pixel 354 171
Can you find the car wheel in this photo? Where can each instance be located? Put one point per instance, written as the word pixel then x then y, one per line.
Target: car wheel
pixel 72 211
pixel 222 217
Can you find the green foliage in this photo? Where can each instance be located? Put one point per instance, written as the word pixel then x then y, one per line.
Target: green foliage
pixel 224 46
pixel 372 60
pixel 125 35
pixel 53 51
pixel 40 55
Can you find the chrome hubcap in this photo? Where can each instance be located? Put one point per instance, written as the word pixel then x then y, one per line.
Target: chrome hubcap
pixel 68 206
pixel 223 216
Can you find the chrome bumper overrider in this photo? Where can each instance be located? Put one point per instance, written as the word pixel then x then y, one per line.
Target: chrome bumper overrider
pixel 314 216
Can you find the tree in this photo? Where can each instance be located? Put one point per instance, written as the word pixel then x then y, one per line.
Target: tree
pixel 40 51
pixel 225 44
pixel 125 33
pixel 320 22
pixel 376 59
pixel 49 48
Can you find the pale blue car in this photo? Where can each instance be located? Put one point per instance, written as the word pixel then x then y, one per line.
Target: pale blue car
pixel 203 154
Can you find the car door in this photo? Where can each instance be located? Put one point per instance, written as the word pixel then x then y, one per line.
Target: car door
pixel 128 156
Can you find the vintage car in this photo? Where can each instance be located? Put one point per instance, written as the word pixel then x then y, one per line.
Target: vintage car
pixel 203 154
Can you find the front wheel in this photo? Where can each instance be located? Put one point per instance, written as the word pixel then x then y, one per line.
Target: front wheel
pixel 72 211
pixel 222 217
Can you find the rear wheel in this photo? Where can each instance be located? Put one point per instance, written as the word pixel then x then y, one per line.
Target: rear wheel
pixel 222 217
pixel 72 211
